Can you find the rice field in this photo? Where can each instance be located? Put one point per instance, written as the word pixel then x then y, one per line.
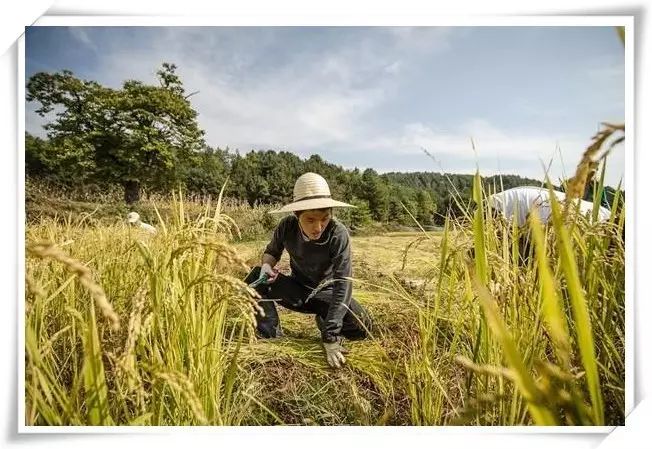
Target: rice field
pixel 126 328
pixel 480 323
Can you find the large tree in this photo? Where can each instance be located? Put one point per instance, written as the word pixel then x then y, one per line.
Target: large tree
pixel 376 193
pixel 139 135
pixel 425 207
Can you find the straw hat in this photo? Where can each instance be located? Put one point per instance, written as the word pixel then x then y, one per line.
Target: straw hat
pixel 133 217
pixel 311 191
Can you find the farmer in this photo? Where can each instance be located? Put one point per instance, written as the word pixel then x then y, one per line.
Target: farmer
pixel 518 203
pixel 133 218
pixel 320 259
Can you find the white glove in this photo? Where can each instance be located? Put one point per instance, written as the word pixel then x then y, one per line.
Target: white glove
pixel 335 353
pixel 266 269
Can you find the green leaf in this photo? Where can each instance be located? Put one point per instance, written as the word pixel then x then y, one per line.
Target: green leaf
pixel 95 387
pixel 581 316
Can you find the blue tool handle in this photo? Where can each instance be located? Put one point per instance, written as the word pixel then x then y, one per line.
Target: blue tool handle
pixel 261 280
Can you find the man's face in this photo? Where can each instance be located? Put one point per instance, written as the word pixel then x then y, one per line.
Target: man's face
pixel 313 222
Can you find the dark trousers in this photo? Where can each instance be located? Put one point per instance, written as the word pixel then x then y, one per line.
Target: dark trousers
pixel 293 295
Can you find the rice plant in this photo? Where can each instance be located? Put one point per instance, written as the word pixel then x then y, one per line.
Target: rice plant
pixel 472 326
pixel 164 349
pixel 540 334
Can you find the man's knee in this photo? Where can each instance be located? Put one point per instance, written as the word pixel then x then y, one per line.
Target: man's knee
pixel 268 324
pixel 268 329
pixel 267 319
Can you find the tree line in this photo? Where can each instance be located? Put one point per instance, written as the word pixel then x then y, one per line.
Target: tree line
pixel 147 137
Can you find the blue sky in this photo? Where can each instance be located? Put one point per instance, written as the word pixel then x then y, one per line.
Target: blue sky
pixel 373 96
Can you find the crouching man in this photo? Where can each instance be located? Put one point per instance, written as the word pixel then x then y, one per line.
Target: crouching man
pixel 320 260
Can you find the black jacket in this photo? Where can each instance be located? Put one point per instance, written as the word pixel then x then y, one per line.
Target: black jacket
pixel 326 260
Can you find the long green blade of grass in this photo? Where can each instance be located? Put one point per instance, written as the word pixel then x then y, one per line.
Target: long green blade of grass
pixel 552 307
pixel 94 381
pixel 479 231
pixel 581 315
pixel 522 378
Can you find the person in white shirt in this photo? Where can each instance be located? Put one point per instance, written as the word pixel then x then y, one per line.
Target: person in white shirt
pixel 133 218
pixel 519 202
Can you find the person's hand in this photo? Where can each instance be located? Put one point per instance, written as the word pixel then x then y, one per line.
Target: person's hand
pixel 267 270
pixel 335 353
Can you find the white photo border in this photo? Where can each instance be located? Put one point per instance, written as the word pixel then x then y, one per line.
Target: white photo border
pixel 340 20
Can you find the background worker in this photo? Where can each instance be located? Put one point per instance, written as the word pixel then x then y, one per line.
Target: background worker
pixel 133 218
pixel 518 203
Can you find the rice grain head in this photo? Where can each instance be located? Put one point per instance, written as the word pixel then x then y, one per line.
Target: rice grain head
pixel 45 250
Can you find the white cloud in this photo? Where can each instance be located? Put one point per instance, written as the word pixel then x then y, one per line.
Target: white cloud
pixel 318 97
pixel 496 150
pixel 394 67
pixel 312 101
pixel 423 39
pixel 82 36
pixel 488 140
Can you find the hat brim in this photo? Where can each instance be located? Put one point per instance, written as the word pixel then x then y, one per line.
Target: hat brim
pixel 317 203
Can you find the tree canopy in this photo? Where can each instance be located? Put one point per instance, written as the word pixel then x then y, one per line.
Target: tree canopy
pixel 137 135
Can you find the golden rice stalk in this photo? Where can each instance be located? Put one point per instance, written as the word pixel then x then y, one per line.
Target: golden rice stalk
pixel 179 382
pixel 521 374
pixel 591 158
pixel 127 361
pixel 33 286
pixel 621 34
pixel 490 370
pixel 243 290
pixel 50 250
pixel 552 306
pixel 135 320
pixel 225 252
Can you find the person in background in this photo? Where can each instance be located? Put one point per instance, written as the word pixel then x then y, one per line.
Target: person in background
pixel 320 260
pixel 518 203
pixel 133 218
